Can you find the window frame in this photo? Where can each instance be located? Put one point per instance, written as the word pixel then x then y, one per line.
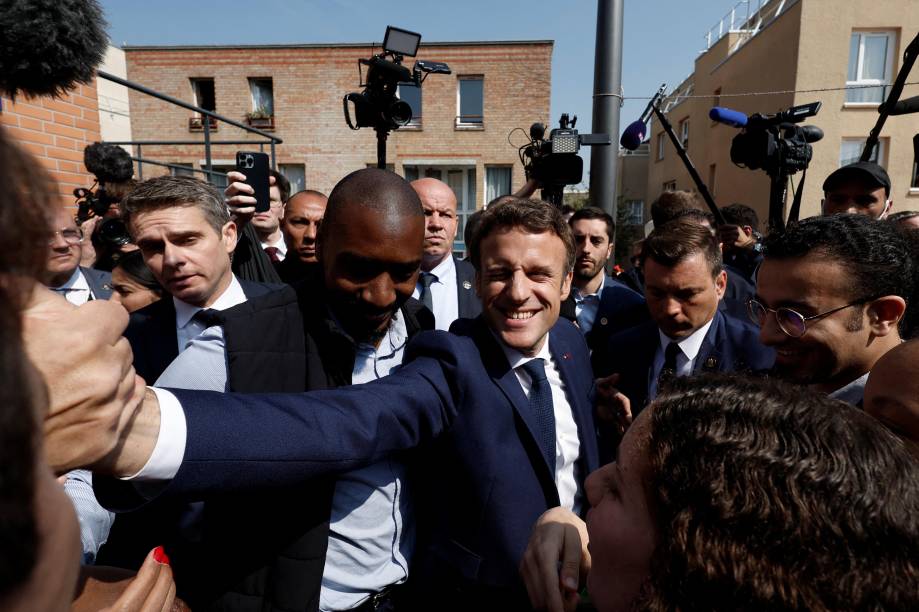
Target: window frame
pixel 882 150
pixel 891 36
pixel 660 146
pixel 460 123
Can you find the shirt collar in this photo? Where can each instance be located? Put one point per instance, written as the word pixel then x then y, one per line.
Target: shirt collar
pixel 689 345
pixel 445 270
pixel 279 244
pixel 231 296
pixel 76 282
pixel 578 296
pixel 516 359
pixel 853 393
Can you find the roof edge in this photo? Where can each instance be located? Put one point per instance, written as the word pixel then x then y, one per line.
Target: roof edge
pixel 468 43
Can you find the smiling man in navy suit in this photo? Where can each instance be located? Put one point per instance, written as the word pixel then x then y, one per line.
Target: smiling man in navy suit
pixel 500 411
pixel 684 283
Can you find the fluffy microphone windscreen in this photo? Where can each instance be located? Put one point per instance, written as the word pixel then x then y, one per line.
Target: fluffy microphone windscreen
pixel 110 163
pixel 48 46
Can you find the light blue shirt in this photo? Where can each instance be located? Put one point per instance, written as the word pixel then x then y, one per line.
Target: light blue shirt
pixel 586 307
pixel 371 533
pixel 444 298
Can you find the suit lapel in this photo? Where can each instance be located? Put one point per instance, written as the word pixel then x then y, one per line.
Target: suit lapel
pixel 710 355
pixel 506 379
pixel 465 290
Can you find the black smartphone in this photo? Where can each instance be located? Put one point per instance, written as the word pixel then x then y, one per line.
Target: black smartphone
pixel 255 166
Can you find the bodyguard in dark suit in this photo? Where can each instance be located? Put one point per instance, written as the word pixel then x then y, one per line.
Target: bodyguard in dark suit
pixel 185 235
pixel 446 283
pixel 688 333
pixel 501 410
pixel 600 305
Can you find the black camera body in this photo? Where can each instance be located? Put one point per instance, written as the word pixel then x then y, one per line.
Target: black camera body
pixel 554 161
pixel 776 143
pixel 378 105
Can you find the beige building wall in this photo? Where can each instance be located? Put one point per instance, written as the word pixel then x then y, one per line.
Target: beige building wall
pixel 114 108
pixel 805 48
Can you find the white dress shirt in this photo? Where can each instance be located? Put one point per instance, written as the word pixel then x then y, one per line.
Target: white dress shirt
pixel 187 329
pixel 586 306
pixel 371 530
pixel 852 393
pixel 567 443
pixel 76 289
pixel 279 244
pixel 443 294
pixel 685 359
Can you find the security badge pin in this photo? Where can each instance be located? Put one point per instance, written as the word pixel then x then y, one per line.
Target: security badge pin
pixel 603 320
pixel 710 363
pixel 566 356
pixel 467 285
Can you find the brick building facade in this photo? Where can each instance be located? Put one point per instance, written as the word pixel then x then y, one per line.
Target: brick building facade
pixel 460 133
pixel 55 131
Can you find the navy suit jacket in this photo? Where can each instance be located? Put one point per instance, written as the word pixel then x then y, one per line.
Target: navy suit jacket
pixel 731 345
pixel 620 308
pixel 469 306
pixel 151 332
pixel 99 281
pixel 457 398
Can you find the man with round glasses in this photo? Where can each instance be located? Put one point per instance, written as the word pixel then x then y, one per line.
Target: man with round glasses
pixel 63 272
pixel 830 296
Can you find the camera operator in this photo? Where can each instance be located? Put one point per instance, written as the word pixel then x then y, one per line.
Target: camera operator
pixel 63 272
pixel 740 239
pixel 862 188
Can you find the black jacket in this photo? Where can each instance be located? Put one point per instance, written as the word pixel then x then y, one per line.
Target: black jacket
pixel 267 551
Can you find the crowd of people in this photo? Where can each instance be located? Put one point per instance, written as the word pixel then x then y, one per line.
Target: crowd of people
pixel 322 407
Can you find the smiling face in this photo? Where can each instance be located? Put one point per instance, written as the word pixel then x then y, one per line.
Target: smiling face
pixel 522 280
pixel 834 349
pixel 189 258
pixel 620 523
pixel 370 265
pixel 593 249
pixel 684 297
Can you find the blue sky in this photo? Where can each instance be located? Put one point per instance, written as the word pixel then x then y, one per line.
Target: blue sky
pixel 662 37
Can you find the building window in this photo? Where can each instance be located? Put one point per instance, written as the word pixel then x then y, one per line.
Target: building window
pixel 186 169
pixel 711 178
pixel 716 97
pixel 470 99
pixel 870 63
pixel 914 181
pixel 684 133
pixel 296 174
pixel 411 94
pixel 203 91
pixel 635 212
pixel 261 91
pixel 660 146
pixel 851 150
pixel 669 186
pixel 497 182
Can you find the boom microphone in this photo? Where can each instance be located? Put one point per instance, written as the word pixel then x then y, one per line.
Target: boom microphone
pixel 635 133
pixel 728 116
pixel 903 107
pixel 48 46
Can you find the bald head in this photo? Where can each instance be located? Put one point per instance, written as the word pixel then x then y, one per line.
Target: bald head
pixel 381 191
pixel 892 391
pixel 440 222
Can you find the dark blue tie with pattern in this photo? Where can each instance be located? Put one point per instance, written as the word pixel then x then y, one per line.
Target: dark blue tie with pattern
pixel 541 404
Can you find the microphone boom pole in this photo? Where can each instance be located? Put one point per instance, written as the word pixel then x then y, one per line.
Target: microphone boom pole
pixel 909 58
pixel 681 151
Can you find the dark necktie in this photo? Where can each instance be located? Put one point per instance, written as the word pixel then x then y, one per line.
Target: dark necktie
pixel 424 296
pixel 207 317
pixel 541 404
pixel 273 254
pixel 669 369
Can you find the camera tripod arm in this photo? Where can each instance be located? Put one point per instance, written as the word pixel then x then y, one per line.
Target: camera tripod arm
pixel 681 151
